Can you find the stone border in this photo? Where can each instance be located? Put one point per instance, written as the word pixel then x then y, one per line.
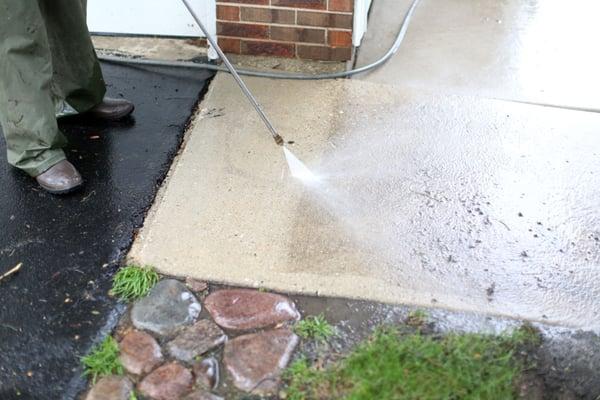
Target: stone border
pixel 170 349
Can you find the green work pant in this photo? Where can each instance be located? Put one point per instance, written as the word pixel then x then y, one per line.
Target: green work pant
pixel 46 57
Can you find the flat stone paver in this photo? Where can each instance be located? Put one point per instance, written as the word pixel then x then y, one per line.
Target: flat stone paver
pixel 139 353
pixel 196 340
pixel 245 309
pixel 255 361
pixel 168 307
pixel 168 382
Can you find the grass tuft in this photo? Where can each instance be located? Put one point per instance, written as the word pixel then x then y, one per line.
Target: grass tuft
pixel 390 366
pixel 314 327
pixel 103 360
pixel 133 282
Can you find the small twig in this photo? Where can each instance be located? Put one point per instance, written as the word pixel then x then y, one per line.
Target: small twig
pixel 502 222
pixel 9 327
pixel 12 271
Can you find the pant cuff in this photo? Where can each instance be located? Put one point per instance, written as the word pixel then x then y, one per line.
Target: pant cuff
pixel 45 165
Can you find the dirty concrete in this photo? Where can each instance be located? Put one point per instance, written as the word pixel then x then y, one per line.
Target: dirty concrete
pixel 539 51
pixel 455 202
pixel 193 49
pixel 56 307
pixel 150 47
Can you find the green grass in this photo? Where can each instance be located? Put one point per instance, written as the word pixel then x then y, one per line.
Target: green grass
pixel 103 360
pixel 314 327
pixel 391 366
pixel 133 282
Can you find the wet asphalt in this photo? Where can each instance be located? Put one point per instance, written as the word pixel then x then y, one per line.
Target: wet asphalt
pixel 56 307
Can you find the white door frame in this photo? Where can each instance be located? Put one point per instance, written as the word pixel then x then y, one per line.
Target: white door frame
pixel 152 18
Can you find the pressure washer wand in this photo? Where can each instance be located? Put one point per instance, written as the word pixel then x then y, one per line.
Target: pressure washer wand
pixel 236 76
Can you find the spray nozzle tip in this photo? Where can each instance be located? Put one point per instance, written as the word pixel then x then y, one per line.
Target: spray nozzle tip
pixel 278 140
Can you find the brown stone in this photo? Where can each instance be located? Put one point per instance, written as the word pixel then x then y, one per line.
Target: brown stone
pixel 202 395
pixel 139 353
pixel 169 382
pixel 207 373
pixel 195 285
pixel 244 309
pixel 255 361
pixel 196 340
pixel 111 388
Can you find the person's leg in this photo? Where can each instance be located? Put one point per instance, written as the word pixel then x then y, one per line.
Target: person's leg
pixel 77 75
pixel 27 112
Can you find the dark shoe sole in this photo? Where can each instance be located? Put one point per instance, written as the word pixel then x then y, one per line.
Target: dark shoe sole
pixel 113 117
pixel 64 191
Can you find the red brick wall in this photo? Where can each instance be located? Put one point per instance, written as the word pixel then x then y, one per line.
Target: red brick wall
pixel 308 29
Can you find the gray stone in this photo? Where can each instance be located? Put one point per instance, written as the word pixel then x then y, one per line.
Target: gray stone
pixel 111 388
pixel 169 382
pixel 139 353
pixel 207 373
pixel 255 361
pixel 245 309
pixel 202 395
pixel 196 340
pixel 167 307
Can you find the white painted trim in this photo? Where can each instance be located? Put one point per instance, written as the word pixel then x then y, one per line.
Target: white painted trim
pixel 361 16
pixel 151 17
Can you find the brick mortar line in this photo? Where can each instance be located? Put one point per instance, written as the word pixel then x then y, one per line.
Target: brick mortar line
pixel 284 25
pixel 268 7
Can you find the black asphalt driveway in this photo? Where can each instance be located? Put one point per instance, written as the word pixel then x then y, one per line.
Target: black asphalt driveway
pixel 57 306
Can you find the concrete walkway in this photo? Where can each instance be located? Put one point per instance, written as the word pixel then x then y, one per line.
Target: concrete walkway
pixel 430 194
pixel 540 51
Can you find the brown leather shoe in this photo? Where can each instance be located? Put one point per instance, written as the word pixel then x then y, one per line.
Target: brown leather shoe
pixel 61 178
pixel 112 109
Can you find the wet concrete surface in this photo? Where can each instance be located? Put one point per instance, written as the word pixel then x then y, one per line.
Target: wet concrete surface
pixel 448 201
pixel 57 307
pixel 538 51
